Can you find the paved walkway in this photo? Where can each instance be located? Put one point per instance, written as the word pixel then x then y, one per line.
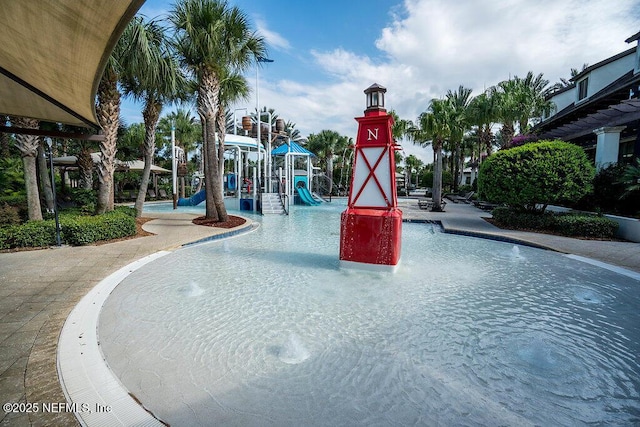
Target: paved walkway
pixel 38 289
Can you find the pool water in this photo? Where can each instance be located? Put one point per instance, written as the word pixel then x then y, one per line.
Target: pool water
pixel 266 329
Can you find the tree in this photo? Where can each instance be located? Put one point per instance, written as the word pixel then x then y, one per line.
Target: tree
pixel 518 101
pixel 483 113
pixel 413 164
pixel 459 116
pixel 28 147
pixel 160 82
pixel 213 39
pixel 532 176
pixel 326 145
pixel 435 124
pixel 127 61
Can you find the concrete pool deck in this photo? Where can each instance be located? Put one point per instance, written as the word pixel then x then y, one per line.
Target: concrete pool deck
pixel 40 288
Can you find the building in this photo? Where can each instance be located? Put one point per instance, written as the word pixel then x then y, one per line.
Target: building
pixel 600 109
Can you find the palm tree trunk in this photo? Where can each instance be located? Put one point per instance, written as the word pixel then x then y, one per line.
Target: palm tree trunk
pixel 508 131
pixel 208 96
pixel 4 140
pixel 108 112
pixel 330 171
pixel 437 178
pixel 221 128
pixel 85 167
pixel 28 147
pixel 151 114
pixel 45 179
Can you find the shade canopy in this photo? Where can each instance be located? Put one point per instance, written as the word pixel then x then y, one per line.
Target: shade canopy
pixel 291 147
pixel 53 53
pixel 131 165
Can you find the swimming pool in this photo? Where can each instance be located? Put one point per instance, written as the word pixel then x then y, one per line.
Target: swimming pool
pixel 266 329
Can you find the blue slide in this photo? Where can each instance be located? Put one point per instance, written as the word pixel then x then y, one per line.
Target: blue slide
pixel 306 197
pixel 194 200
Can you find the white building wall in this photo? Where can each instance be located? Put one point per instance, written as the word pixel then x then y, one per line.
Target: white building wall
pixel 563 100
pixel 604 76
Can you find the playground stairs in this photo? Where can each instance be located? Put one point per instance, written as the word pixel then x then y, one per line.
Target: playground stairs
pixel 271 204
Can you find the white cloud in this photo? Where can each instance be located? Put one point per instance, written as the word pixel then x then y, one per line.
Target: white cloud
pixel 272 38
pixel 436 45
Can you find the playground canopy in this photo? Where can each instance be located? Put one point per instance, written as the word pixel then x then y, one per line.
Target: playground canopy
pixel 53 53
pixel 291 147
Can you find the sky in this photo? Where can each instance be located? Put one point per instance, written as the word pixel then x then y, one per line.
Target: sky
pixel 326 53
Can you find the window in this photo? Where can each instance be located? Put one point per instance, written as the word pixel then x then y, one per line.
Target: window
pixel 582 88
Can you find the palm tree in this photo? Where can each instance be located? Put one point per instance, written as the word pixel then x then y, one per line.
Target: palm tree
pixel 293 133
pixel 535 103
pixel 160 82
pixel 213 38
pixel 28 147
pixel 460 123
pixel 127 61
pixel 413 163
pixel 519 100
pixel 326 145
pixel 435 124
pixel 483 114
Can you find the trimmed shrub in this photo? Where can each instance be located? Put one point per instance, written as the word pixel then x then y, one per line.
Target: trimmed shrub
pixel 532 176
pixel 31 234
pixel 512 218
pixel 127 210
pixel 76 230
pixel 583 225
pixel 565 224
pixel 82 230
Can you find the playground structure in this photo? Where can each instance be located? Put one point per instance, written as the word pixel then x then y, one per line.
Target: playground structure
pixel 245 186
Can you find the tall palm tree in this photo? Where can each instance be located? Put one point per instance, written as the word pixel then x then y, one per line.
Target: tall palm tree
pixel 28 147
pixel 412 163
pixel 326 145
pixel 483 114
pixel 535 103
pixel 459 115
pixel 213 38
pixel 519 100
pixel 435 124
pixel 128 60
pixel 160 82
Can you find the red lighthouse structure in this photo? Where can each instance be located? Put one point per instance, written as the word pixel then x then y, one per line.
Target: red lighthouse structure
pixel 371 227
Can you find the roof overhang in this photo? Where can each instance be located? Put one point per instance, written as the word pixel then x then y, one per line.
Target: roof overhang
pixel 53 53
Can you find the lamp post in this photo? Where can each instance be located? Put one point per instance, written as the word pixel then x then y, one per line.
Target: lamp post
pixel 174 171
pixel 53 188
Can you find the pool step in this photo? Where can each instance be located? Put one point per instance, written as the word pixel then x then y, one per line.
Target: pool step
pixel 271 204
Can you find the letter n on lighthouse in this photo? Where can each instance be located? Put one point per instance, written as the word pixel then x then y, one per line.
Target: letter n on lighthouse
pixel 371 226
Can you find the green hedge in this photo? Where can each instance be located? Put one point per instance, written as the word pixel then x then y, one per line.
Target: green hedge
pixel 566 224
pixel 75 230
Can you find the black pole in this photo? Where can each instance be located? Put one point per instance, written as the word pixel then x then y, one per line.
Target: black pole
pixel 53 188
